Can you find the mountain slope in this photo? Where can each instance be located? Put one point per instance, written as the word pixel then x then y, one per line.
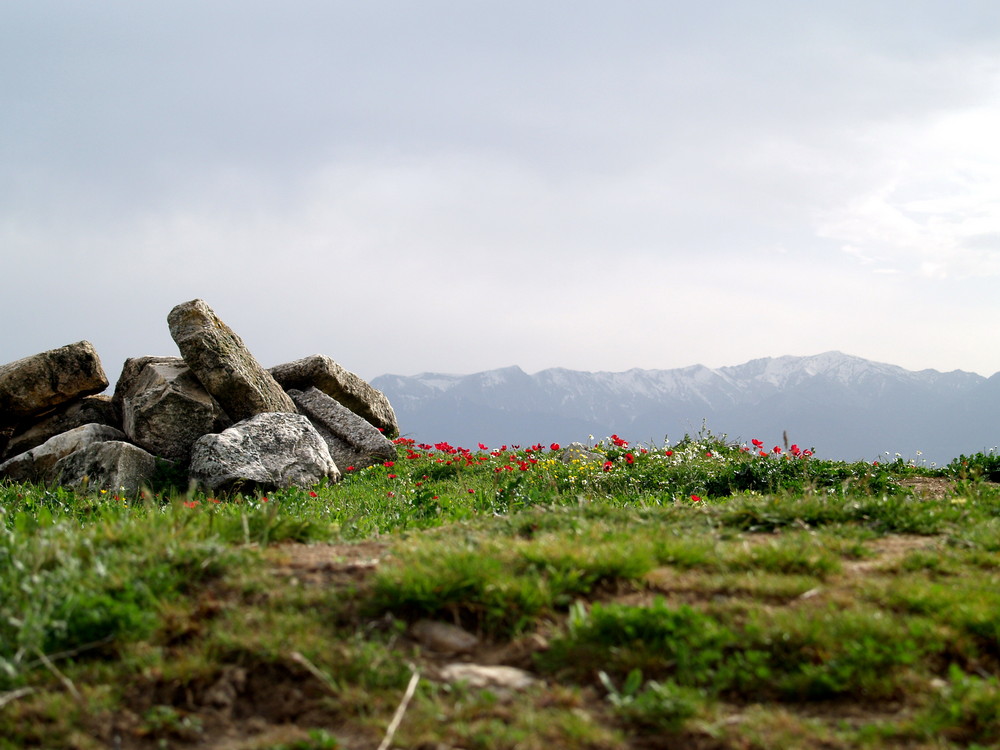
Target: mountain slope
pixel 845 407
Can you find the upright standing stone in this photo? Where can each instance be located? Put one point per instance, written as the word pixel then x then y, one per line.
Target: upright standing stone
pixel 35 384
pixel 342 386
pixel 223 364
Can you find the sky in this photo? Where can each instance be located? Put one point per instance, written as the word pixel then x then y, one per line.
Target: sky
pixel 456 186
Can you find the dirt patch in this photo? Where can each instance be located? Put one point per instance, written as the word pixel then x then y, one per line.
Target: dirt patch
pixel 325 564
pixel 886 551
pixel 929 488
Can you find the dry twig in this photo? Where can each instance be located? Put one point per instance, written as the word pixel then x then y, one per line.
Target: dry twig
pixel 398 717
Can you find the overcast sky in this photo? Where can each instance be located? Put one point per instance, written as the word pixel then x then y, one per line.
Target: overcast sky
pixel 458 186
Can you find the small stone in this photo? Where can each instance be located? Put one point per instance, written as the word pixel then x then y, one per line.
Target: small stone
pixel 579 452
pixel 443 637
pixel 480 676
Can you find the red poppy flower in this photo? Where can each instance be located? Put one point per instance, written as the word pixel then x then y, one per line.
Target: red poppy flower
pixel 554 446
pixel 695 498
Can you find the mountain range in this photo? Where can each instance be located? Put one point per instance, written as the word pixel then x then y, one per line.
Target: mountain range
pixel 841 406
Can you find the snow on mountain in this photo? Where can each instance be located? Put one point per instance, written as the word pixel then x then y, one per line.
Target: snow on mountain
pixel 845 406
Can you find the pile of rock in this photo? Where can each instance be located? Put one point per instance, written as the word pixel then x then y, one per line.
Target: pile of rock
pixel 213 415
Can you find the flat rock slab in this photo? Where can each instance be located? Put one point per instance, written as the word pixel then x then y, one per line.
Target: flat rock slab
pixel 343 386
pixel 265 452
pixel 37 464
pixel 36 384
pixel 223 364
pixel 352 440
pixel 87 410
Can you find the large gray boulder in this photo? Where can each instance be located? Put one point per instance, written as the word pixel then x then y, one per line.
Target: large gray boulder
pixel 164 407
pixel 37 464
pixel 352 441
pixel 87 410
pixel 223 364
pixel 264 452
pixel 114 466
pixel 343 386
pixel 35 384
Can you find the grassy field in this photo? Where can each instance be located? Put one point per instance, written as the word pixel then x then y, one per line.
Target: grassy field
pixel 702 594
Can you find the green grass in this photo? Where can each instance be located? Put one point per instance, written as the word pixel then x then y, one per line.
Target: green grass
pixel 699 594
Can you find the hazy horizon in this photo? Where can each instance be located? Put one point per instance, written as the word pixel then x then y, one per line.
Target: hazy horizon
pixel 459 186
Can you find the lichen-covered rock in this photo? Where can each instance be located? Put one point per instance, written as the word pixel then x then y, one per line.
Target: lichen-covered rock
pixel 35 384
pixel 343 386
pixel 37 464
pixel 264 452
pixel 164 407
pixel 87 410
pixel 352 441
pixel 223 364
pixel 114 466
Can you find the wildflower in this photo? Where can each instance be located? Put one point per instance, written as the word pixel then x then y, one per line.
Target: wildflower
pixel 389 463
pixel 695 498
pixel 349 468
pixel 190 503
pixel 629 458
pixel 776 450
pixel 312 494
pixel 708 454
pixel 213 500
pixel 483 447
pixel 263 499
pixel 554 446
pixel 668 453
pixel 392 476
pixel 607 466
pixel 472 491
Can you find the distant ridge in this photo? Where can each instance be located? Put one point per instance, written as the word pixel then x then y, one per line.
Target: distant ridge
pixel 844 406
